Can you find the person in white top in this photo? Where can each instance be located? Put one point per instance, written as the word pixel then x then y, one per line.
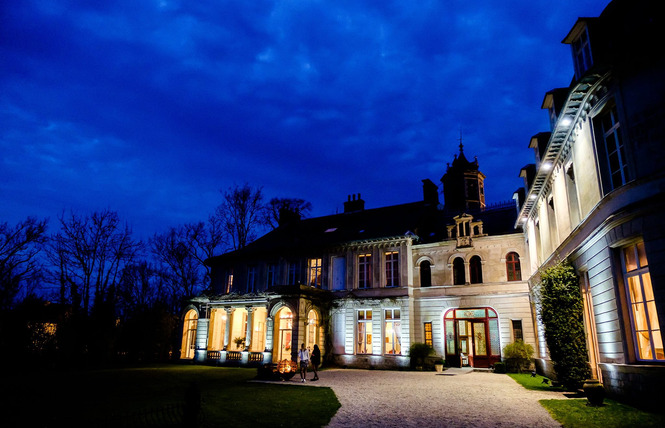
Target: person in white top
pixel 303 357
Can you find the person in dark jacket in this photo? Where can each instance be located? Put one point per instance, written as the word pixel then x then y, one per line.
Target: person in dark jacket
pixel 316 360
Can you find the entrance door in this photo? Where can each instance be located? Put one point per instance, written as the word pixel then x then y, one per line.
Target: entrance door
pixel 472 337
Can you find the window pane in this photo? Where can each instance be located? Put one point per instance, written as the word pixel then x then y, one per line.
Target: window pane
pixel 653 316
pixel 479 338
pixel 642 255
pixel 644 345
pixel 389 314
pixel 648 289
pixel 640 317
pixel 369 315
pixel 631 263
pixel 658 345
pixel 396 312
pixel 635 289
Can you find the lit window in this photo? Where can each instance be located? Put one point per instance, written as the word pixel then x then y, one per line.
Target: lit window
pixel 393 332
pixel 229 282
pixel 428 334
pixel 643 314
pixel 364 345
pixel 517 330
pixel 392 269
pixel 315 273
pixel 364 271
pixel 513 267
pixel 312 330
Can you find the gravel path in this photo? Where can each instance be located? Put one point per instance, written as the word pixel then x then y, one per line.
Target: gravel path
pixel 376 398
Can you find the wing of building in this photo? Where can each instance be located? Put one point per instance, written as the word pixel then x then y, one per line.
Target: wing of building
pixel 595 194
pixel 367 283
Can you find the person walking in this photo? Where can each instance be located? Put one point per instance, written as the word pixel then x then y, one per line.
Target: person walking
pixel 303 357
pixel 316 360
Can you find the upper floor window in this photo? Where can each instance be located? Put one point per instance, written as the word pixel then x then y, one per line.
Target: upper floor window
pixel 643 313
pixel 314 279
pixel 251 279
pixel 364 270
pixel 425 273
pixel 272 275
pixel 582 53
pixel 294 273
pixel 459 278
pixel 513 270
pixel 613 160
pixel 229 281
pixel 475 270
pixel 517 330
pixel 392 269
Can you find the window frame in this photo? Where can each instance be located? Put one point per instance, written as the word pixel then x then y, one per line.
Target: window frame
pixel 366 321
pixel 513 266
pixel 365 270
pixel 396 320
pixel 643 277
pixel 315 272
pixel 392 268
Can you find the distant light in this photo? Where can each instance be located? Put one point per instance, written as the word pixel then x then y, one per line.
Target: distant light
pixel 523 220
pixel 566 120
pixel 532 196
pixel 546 166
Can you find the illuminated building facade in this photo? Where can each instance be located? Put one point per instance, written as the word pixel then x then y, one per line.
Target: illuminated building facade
pixel 595 195
pixel 365 284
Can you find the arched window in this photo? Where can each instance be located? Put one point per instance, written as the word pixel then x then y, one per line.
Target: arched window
pixel 425 273
pixel 513 267
pixel 475 270
pixel 189 335
pixel 312 330
pixel 458 271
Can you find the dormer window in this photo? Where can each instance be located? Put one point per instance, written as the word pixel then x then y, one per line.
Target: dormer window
pixel 579 41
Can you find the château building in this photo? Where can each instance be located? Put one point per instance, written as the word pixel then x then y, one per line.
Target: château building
pixel 365 284
pixel 595 195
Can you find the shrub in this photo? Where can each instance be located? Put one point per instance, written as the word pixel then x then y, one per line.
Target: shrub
pixel 499 367
pixel 562 315
pixel 418 352
pixel 518 356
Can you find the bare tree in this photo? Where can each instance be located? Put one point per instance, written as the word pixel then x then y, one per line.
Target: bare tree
pixel 242 213
pixel 89 253
pixel 204 240
pixel 183 272
pixel 19 264
pixel 280 210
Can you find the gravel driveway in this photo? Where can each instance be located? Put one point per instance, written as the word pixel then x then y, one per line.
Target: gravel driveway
pixel 377 398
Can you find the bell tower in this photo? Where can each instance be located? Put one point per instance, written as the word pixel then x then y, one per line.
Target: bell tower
pixel 463 184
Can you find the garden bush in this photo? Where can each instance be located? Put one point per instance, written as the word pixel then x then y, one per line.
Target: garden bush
pixel 562 315
pixel 518 356
pixel 418 353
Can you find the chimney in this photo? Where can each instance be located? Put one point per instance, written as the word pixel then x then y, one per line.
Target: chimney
pixel 430 192
pixel 353 204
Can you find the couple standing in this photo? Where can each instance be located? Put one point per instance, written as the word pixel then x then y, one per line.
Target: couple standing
pixel 303 357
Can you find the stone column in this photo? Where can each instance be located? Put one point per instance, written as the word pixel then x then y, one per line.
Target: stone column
pixel 467 273
pixel 270 333
pixel 227 330
pixel 248 332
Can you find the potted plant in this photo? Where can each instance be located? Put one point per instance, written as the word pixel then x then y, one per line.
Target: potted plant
pixel 240 342
pixel 594 391
pixel 438 365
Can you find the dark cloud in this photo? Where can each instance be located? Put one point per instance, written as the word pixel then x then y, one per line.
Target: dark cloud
pixel 151 107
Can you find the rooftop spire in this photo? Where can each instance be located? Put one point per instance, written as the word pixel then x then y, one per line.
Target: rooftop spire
pixel 461 146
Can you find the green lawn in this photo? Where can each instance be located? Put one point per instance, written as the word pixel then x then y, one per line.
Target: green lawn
pixel 575 413
pixel 92 398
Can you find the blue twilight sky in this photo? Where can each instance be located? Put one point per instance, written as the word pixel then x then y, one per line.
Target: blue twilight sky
pixel 149 108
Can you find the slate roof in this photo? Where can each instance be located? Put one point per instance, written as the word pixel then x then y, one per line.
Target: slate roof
pixel 425 222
